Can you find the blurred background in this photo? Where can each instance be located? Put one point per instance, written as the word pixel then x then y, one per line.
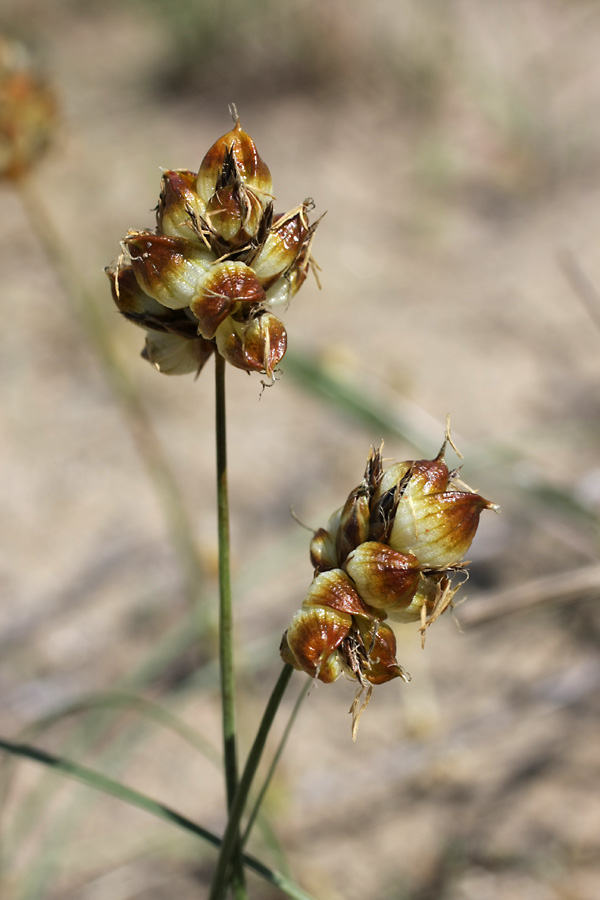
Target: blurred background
pixel 454 146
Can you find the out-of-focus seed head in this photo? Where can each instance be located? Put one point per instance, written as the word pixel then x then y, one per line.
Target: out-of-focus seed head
pixel 218 264
pixel 28 111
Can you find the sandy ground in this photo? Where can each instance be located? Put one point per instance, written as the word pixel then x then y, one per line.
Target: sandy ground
pixel 455 150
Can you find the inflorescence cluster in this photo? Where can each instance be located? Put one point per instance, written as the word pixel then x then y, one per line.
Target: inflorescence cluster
pixel 389 553
pixel 219 262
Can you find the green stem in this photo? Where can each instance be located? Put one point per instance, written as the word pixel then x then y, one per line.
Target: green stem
pixel 231 839
pixel 275 761
pixel 226 625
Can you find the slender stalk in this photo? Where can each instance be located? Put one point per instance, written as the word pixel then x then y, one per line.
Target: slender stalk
pixel 275 761
pixel 231 839
pixel 226 625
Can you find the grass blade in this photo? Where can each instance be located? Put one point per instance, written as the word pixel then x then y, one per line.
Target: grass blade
pixel 109 786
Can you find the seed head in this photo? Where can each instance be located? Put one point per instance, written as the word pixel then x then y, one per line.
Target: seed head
pixel 27 111
pixel 390 551
pixel 219 262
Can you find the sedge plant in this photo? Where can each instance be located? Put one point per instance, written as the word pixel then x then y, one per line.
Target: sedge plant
pixel 208 283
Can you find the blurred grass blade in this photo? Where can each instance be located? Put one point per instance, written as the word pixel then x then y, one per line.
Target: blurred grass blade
pixel 122 700
pixel 32 804
pixel 128 795
pixel 407 421
pixel 348 396
pixel 107 785
pixel 275 761
pixel 89 734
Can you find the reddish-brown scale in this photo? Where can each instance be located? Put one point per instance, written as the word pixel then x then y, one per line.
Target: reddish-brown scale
pixel 258 345
pixel 334 590
pixel 322 551
pixel 177 188
pixel 235 214
pixel 461 511
pixel 163 266
pixel 131 300
pixel 429 476
pixel 385 578
pixel 151 253
pixel 380 646
pixel 313 638
pixel 265 343
pixel 226 285
pixel 249 164
pixel 354 522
